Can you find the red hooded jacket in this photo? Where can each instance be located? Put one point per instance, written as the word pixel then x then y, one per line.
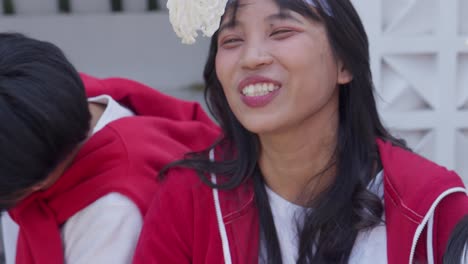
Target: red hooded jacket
pixel 188 222
pixel 123 157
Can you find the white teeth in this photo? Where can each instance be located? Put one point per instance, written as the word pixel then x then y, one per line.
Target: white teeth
pixel 259 89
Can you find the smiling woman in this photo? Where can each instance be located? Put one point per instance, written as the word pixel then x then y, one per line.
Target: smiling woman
pixel 304 171
pixel 285 53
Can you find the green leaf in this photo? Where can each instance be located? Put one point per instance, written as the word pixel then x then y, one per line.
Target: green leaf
pixel 196 87
pixel 64 6
pixel 153 5
pixel 8 7
pixel 116 5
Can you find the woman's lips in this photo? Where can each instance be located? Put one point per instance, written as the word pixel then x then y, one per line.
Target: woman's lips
pixel 259 100
pixel 258 91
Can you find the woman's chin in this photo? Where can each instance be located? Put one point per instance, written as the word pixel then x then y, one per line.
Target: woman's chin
pixel 261 127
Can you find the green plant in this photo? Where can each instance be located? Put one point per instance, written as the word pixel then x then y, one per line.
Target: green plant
pixel 8 7
pixel 116 6
pixel 153 5
pixel 64 6
pixel 196 87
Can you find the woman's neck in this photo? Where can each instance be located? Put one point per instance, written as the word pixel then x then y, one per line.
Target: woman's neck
pixel 96 111
pixel 299 164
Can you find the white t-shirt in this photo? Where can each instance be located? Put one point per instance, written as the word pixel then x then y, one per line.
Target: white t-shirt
pixel 106 231
pixel 370 246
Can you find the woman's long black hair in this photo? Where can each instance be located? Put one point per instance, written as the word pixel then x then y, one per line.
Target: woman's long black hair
pixel 346 206
pixel 457 246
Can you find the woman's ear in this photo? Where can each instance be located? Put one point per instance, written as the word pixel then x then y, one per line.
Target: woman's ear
pixel 344 75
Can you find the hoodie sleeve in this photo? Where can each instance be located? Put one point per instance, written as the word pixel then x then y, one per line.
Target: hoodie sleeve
pixel 168 227
pixel 145 100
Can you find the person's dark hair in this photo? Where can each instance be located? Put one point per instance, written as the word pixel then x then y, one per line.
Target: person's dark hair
pixel 457 246
pixel 346 206
pixel 43 112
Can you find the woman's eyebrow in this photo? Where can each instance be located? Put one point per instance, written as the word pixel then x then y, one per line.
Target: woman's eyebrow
pixel 229 25
pixel 282 16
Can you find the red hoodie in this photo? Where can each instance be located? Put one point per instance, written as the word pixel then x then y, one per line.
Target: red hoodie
pixel 189 222
pixel 123 157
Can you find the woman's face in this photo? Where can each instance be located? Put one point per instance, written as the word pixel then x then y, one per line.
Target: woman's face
pixel 277 69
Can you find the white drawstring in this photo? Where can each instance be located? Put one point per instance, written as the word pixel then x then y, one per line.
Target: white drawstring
pixel 429 243
pixel 219 217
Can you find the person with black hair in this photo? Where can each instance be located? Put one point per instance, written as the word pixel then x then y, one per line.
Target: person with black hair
pixel 457 246
pixel 80 155
pixel 304 171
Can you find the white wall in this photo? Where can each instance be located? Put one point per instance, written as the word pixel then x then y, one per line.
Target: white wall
pixel 419 51
pixel 139 46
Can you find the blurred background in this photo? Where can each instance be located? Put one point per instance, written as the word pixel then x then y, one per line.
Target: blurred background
pixel 419 51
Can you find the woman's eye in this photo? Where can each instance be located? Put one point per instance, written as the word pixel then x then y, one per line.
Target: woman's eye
pixel 233 40
pixel 230 43
pixel 281 33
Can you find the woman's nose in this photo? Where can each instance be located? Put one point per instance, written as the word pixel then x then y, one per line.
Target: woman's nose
pixel 255 55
